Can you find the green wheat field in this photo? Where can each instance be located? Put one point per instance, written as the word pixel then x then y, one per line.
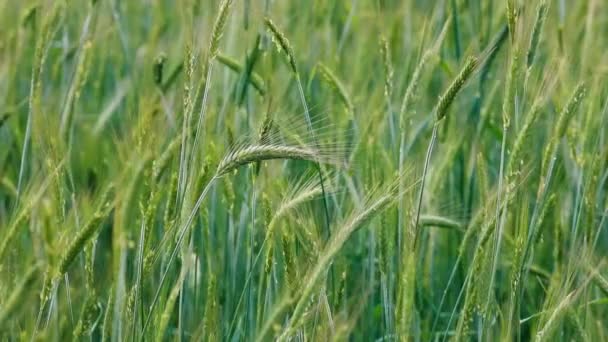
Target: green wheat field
pixel 261 170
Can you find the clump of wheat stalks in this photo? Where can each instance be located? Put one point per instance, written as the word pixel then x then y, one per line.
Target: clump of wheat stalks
pixel 472 294
pixel 241 155
pixel 90 313
pixel 407 102
pixel 508 111
pixel 546 174
pixel 283 45
pixel 515 157
pixel 189 151
pixel 378 286
pixel 40 56
pixel 475 225
pixel 482 264
pixel 357 220
pixel 408 277
pixel 441 110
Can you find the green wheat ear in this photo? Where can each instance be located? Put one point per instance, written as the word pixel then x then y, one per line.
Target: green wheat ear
pixel 85 234
pixel 563 122
pixel 336 84
pixel 282 44
pixel 218 27
pixel 541 15
pixel 447 98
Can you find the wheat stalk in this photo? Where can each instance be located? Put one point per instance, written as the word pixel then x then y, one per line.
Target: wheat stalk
pixel 563 121
pixel 219 27
pixel 16 297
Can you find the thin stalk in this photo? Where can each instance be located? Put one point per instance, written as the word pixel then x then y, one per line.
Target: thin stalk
pixel 180 238
pixel 317 164
pixel 427 160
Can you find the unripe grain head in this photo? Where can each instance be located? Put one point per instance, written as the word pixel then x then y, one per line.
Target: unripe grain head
pixel 446 100
pixel 282 43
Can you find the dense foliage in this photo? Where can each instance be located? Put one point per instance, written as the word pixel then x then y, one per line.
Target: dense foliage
pixel 303 170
